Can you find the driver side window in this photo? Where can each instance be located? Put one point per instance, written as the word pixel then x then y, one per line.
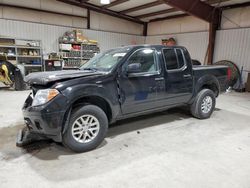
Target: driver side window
pixel 146 59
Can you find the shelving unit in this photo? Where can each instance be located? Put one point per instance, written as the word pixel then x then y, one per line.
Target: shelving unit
pixel 76 54
pixel 23 53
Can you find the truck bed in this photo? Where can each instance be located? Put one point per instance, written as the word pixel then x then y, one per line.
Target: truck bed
pixel 219 71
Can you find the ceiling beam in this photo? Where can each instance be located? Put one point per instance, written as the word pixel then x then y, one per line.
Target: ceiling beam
pixel 157 13
pixel 239 5
pixel 101 10
pixel 114 3
pixel 196 8
pixel 169 17
pixel 141 7
pixel 215 1
pixel 185 14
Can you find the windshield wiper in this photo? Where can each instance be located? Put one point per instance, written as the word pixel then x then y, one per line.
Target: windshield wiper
pixel 89 68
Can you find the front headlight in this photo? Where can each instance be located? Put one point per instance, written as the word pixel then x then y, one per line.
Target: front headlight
pixel 44 95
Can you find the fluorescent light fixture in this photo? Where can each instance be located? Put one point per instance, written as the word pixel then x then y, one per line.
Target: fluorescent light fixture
pixel 105 2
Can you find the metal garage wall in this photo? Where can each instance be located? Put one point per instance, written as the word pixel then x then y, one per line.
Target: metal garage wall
pixel 196 43
pixel 49 34
pixel 103 22
pixel 234 45
pixel 177 25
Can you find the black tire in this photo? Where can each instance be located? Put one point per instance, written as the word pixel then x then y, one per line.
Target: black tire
pixel 18 81
pixel 196 107
pixel 68 139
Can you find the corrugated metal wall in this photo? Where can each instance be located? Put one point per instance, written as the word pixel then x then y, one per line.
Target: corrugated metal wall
pixel 196 43
pixel 49 35
pixel 234 45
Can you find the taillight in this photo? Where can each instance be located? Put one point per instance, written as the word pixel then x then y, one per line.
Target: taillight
pixel 229 73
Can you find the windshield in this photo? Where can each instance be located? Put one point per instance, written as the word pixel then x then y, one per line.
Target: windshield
pixel 105 61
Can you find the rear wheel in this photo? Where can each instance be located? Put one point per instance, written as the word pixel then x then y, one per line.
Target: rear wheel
pixel 87 128
pixel 204 104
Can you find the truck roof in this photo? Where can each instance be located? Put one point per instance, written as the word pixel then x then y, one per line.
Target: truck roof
pixel 157 46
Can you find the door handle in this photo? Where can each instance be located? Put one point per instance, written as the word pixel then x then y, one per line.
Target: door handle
pixel 159 79
pixel 187 75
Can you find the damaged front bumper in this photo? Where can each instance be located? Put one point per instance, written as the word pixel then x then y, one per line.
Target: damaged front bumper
pixel 44 121
pixel 26 137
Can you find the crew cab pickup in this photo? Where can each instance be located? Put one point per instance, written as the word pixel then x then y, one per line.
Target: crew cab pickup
pixel 75 107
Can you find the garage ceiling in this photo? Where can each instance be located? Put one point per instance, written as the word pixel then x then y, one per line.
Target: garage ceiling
pixel 145 10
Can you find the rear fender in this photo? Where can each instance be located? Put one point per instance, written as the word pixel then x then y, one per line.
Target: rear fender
pixel 207 80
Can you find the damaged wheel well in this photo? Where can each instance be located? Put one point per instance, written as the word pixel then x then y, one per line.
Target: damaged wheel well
pixel 94 100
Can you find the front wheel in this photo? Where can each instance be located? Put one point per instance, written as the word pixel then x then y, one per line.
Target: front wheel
pixel 204 104
pixel 87 128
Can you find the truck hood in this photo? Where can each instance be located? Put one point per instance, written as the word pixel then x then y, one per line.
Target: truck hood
pixel 43 78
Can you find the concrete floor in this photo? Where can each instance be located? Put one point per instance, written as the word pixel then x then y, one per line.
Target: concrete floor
pixel 168 149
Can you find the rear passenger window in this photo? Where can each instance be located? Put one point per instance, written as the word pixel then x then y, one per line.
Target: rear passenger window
pixel 180 58
pixel 170 59
pixel 173 58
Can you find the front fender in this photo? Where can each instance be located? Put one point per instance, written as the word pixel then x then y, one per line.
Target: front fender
pixel 108 93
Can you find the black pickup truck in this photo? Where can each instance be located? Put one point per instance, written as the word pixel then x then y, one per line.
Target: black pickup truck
pixel 75 107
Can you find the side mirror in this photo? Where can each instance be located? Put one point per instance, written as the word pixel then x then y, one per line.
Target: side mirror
pixel 134 68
